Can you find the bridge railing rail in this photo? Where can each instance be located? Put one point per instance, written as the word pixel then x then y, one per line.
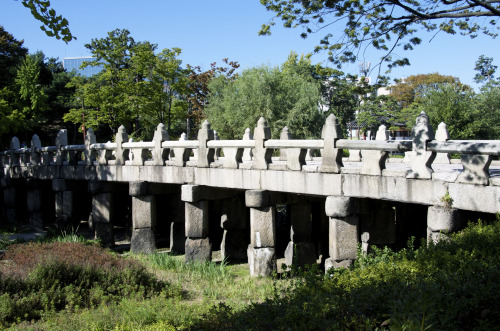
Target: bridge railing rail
pixel 420 152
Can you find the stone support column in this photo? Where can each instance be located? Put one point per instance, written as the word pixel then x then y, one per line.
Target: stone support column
pixel 63 201
pixel 34 204
pixel 177 226
pixel 9 201
pixel 103 213
pixel 235 222
pixel 198 246
pixel 261 251
pixel 441 221
pixel 143 218
pixel 300 250
pixel 343 232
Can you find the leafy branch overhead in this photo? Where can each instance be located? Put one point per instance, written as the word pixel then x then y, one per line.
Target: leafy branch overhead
pixel 383 25
pixel 53 25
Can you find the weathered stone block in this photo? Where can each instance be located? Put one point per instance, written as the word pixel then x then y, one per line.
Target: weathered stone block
pixel 198 250
pixel 331 263
pixel 257 198
pixel 143 241
pixel 443 219
pixel 261 261
pixel 196 219
pixel 300 254
pixel 144 211
pixel 263 226
pixel 102 211
pixel 339 206
pixel 138 188
pixel 344 238
pixel 177 238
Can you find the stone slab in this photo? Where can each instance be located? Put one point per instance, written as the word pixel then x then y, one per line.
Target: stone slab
pixel 261 261
pixel 143 241
pixel 198 249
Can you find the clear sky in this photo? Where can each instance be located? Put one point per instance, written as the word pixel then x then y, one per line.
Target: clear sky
pixel 210 30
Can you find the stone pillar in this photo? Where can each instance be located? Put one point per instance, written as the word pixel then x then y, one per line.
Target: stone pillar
pixel 143 218
pixel 344 232
pixel 235 222
pixel 34 204
pixel 261 251
pixel 9 201
pixel 103 214
pixel 63 201
pixel 300 250
pixel 198 246
pixel 440 222
pixel 177 226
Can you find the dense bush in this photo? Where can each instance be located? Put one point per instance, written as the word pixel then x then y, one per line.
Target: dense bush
pixel 40 278
pixel 448 286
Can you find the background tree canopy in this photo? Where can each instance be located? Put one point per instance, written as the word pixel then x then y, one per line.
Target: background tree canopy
pixel 287 96
pixel 383 25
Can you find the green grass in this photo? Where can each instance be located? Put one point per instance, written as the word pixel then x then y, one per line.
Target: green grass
pixel 445 286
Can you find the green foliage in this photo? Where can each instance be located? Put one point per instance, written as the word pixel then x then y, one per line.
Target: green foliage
pixel 43 278
pixel 447 286
pixel 485 69
pixel 52 24
pixel 381 25
pixel 283 97
pixel 12 53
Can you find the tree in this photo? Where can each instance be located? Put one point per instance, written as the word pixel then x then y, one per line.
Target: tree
pixel 12 53
pixel 406 90
pixel 199 88
pixel 485 69
pixel 52 24
pixel 282 97
pixel 383 25
pixel 455 107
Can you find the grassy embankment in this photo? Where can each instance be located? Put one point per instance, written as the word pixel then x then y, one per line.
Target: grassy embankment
pixel 452 285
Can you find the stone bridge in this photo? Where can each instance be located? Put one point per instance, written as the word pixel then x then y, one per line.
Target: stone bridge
pixel 256 199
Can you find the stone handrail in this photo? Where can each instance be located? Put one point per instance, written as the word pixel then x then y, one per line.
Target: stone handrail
pixel 475 155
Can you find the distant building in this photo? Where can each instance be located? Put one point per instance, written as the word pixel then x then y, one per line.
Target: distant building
pixel 74 63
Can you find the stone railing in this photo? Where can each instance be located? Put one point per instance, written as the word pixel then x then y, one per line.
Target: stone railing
pixel 257 151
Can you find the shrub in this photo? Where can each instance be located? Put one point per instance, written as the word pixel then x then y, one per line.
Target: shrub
pixel 445 286
pixel 40 278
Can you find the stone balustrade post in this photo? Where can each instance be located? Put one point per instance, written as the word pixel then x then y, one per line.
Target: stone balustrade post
pixel 262 249
pixel 285 135
pixel 61 140
pixel 442 134
pixel 121 154
pixel 181 155
pixel 205 154
pixel 421 165
pixel 332 156
pixel 343 232
pixel 35 158
pixel 374 160
pixel 14 158
pixel 262 155
pixel 90 155
pixel 217 153
pixel 247 153
pixel 476 169
pixel 143 218
pixel 160 154
pixel 300 250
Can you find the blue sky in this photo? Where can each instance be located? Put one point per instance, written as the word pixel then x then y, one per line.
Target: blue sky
pixel 208 31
